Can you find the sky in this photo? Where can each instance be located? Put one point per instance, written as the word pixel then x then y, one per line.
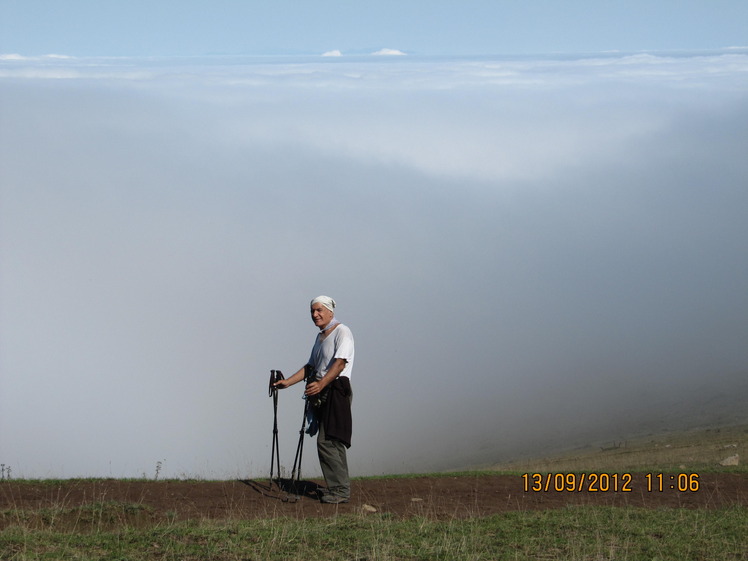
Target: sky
pixel 538 244
pixel 424 27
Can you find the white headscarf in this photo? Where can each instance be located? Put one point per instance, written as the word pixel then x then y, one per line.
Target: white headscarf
pixel 326 301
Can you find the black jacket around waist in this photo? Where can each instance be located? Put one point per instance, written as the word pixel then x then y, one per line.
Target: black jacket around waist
pixel 336 411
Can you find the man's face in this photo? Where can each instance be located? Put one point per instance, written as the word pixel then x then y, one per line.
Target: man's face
pixel 321 316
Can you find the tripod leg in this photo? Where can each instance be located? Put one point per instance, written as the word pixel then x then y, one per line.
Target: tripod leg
pixel 300 446
pixel 277 458
pixel 275 452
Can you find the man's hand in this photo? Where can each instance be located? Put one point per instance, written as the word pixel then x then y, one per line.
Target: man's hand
pixel 281 384
pixel 313 388
pixel 295 379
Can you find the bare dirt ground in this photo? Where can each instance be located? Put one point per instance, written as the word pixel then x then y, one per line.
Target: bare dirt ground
pixel 442 497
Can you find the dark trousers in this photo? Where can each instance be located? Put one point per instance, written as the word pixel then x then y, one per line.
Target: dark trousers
pixel 334 463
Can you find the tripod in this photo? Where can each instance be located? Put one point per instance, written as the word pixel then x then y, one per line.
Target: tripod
pixel 275 376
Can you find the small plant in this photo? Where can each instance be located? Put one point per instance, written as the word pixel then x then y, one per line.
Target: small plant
pixel 159 465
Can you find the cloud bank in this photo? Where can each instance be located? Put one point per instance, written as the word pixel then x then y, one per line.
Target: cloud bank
pixel 531 253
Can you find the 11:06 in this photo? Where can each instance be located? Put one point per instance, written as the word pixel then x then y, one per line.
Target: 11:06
pixel 682 482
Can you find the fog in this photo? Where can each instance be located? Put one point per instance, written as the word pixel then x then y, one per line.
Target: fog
pixel 532 254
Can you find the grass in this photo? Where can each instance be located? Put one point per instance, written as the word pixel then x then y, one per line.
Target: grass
pixel 118 531
pixel 699 450
pixel 581 533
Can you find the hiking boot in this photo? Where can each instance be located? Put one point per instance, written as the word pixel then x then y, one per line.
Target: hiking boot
pixel 333 499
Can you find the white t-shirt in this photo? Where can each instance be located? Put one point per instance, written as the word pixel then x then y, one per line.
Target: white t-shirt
pixel 338 344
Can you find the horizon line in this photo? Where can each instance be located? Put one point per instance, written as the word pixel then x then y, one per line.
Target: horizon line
pixel 384 53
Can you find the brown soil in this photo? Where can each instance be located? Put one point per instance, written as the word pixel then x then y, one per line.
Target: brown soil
pixel 458 496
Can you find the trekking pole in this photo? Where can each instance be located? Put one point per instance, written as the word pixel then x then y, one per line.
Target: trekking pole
pixel 275 376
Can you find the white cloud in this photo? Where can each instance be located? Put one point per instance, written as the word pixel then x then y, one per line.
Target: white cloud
pixel 388 52
pixel 18 57
pixel 335 52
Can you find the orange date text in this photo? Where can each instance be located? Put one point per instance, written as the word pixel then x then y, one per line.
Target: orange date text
pixel 577 482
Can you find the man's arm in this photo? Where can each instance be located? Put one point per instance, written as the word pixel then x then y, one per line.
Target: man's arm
pixel 295 379
pixel 333 372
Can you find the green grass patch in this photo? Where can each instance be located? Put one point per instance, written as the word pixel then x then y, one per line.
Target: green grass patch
pixel 580 533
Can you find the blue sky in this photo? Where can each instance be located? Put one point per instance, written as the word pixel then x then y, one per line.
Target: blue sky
pixel 426 27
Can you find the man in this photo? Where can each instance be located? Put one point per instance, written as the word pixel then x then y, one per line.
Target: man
pixel 328 391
